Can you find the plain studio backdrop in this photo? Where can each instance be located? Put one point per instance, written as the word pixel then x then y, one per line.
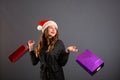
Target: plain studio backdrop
pixel 88 24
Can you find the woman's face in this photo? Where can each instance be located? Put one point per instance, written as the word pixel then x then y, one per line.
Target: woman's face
pixel 52 31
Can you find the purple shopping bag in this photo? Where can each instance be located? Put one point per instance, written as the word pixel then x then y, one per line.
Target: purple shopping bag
pixel 89 61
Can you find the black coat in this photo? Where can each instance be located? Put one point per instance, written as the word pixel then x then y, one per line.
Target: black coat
pixel 51 62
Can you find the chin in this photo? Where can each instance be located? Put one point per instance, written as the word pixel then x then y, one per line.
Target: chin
pixel 51 36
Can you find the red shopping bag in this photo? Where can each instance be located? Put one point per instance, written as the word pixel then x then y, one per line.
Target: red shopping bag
pixel 19 52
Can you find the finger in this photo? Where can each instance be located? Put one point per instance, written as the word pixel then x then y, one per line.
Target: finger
pixel 29 41
pixel 32 41
pixel 74 47
pixel 75 50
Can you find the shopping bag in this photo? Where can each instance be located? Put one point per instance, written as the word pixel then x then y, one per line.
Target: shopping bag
pixel 90 61
pixel 18 53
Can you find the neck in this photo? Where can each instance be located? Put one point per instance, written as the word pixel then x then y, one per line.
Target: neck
pixel 49 37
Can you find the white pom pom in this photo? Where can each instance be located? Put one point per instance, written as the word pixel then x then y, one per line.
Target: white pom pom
pixel 39 27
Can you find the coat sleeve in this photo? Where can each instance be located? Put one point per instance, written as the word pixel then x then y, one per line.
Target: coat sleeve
pixel 63 57
pixel 33 58
pixel 60 53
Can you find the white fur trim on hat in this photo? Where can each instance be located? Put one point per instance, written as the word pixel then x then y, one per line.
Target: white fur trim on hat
pixel 39 27
pixel 48 24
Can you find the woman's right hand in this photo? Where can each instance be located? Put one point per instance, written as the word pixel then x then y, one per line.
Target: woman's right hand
pixel 31 45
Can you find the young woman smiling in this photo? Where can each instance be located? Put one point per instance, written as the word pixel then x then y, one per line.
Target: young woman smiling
pixel 50 51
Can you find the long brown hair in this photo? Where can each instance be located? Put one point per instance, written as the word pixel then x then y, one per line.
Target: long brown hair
pixel 46 41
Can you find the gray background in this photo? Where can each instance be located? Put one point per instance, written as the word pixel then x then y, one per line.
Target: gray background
pixel 87 24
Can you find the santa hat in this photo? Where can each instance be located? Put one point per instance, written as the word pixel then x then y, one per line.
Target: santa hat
pixel 42 25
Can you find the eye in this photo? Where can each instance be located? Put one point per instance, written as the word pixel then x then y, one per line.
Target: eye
pixel 52 27
pixel 49 27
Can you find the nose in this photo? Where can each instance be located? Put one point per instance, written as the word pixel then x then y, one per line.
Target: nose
pixel 53 29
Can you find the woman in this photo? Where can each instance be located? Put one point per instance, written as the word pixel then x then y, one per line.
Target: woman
pixel 50 51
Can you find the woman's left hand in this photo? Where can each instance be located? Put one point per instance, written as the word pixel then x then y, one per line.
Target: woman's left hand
pixel 72 49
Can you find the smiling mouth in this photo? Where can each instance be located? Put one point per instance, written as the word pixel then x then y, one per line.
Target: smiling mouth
pixel 53 32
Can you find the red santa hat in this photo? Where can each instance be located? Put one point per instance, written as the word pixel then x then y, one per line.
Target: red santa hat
pixel 42 25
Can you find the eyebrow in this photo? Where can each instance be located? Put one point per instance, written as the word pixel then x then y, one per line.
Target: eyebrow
pixel 52 27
